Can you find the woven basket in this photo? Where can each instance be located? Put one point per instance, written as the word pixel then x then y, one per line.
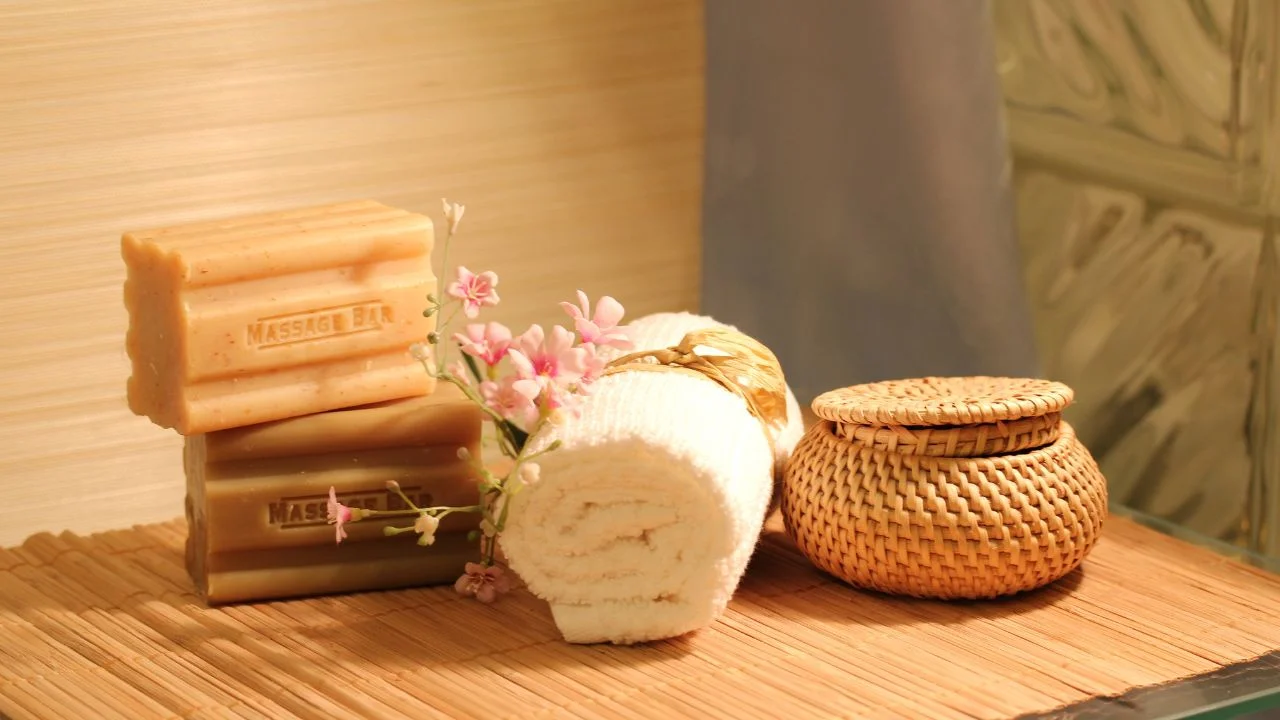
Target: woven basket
pixel 878 505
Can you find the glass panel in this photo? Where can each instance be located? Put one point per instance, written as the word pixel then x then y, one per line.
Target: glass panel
pixel 1164 71
pixel 1146 218
pixel 1147 311
pixel 1245 691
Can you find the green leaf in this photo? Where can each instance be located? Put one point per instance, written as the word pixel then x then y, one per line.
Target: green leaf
pixel 472 366
pixel 518 437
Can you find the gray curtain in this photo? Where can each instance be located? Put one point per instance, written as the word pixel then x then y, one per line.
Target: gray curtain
pixel 858 216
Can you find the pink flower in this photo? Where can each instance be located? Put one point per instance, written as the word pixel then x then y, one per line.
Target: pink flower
pixel 601 329
pixel 460 371
pixel 338 514
pixel 558 398
pixel 483 583
pixel 488 342
pixel 593 365
pixel 475 291
pixel 513 398
pixel 551 361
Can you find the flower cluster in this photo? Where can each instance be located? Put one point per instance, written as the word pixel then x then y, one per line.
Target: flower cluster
pixel 548 373
pixel 520 382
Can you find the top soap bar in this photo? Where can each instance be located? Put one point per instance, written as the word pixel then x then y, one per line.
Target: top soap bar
pixel 272 316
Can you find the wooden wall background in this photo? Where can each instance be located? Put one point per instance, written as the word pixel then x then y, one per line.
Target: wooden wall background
pixel 572 129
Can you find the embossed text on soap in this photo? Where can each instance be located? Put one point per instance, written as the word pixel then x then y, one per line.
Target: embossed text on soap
pixel 308 511
pixel 318 324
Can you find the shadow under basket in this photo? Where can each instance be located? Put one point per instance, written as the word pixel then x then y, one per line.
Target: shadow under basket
pixel 952 488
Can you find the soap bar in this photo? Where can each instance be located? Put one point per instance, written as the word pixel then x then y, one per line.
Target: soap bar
pixel 257 499
pixel 266 317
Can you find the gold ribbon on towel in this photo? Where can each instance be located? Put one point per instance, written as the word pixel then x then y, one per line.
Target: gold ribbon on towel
pixel 737 362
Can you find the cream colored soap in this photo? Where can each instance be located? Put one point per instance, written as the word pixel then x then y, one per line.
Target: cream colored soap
pixel 265 317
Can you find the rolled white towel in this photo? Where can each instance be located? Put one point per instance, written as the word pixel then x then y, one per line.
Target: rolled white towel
pixel 643 521
pixel 661 330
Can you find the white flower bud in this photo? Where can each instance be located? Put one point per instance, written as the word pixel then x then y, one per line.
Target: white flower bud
pixel 453 213
pixel 426 526
pixel 530 473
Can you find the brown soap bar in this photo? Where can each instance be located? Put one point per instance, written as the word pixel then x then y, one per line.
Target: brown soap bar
pixel 266 317
pixel 257 497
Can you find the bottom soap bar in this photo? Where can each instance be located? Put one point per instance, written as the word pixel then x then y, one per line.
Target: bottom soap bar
pixel 306 572
pixel 256 500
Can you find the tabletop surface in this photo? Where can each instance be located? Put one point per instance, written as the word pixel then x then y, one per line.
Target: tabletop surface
pixel 109 625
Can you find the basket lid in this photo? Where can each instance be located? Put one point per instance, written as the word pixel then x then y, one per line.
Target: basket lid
pixel 943 401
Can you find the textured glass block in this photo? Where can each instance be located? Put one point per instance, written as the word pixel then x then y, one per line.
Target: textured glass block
pixel 1179 73
pixel 1144 135
pixel 1173 96
pixel 1150 312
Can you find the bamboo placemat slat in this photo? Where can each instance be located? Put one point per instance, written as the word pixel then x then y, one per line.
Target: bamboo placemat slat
pixel 109 626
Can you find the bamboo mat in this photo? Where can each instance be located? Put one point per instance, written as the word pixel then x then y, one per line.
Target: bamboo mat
pixel 108 626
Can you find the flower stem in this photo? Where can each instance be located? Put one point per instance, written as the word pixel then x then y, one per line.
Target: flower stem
pixel 439 511
pixel 453 313
pixel 498 527
pixel 553 446
pixel 509 448
pixel 395 488
pixel 474 397
pixel 391 513
pixel 443 511
pixel 442 323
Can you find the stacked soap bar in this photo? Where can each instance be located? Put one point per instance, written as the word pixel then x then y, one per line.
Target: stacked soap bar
pixel 274 316
pixel 256 499
pixel 278 345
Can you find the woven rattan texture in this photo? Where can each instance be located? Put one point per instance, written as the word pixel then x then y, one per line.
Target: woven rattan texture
pixel 109 627
pixel 962 441
pixel 943 527
pixel 943 401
